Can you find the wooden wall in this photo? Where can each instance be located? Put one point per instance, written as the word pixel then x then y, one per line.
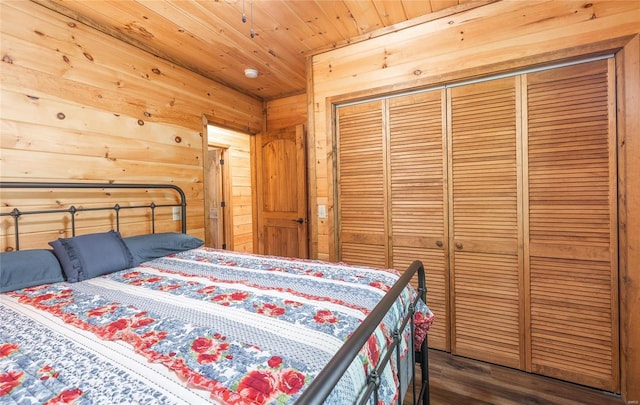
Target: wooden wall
pixel 78 105
pixel 286 112
pixel 494 38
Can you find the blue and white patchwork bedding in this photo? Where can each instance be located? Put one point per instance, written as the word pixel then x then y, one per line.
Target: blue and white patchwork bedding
pixel 196 327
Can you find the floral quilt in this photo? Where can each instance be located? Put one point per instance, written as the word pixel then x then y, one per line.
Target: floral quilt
pixel 200 326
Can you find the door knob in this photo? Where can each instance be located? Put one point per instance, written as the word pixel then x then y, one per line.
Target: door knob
pixel 459 245
pixel 439 243
pixel 299 220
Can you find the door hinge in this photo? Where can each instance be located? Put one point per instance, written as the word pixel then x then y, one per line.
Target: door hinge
pixel 221 162
pixel 224 245
pixel 223 204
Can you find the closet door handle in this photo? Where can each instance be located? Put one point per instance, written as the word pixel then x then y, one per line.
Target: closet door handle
pixel 459 245
pixel 439 243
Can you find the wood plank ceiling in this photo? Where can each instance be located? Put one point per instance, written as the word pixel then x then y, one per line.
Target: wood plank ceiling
pixel 208 37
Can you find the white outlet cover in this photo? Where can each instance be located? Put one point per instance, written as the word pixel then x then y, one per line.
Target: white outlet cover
pixel 322 211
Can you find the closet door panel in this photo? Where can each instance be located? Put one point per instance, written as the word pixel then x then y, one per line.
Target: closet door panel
pixel 484 222
pixel 417 188
pixel 437 289
pixel 572 224
pixel 361 184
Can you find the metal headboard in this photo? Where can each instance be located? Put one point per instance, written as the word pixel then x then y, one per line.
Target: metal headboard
pixel 72 210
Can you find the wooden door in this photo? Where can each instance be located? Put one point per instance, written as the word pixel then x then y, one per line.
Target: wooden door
pixel 215 216
pixel 572 223
pixel 282 193
pixel 516 178
pixel 485 242
pixel 361 183
pixel 417 165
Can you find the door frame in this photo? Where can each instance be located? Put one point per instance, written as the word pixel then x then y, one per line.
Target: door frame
pixel 336 102
pixel 224 211
pixel 226 217
pixel 302 177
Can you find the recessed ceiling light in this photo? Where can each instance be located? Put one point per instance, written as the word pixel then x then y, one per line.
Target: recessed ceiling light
pixel 251 73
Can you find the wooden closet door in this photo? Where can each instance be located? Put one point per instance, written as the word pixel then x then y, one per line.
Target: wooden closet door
pixel 417 162
pixel 486 261
pixel 361 184
pixel 573 224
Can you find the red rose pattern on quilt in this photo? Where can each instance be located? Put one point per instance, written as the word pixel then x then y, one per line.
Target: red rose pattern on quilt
pixel 233 367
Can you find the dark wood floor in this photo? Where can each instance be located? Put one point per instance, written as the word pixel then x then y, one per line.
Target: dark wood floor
pixel 460 381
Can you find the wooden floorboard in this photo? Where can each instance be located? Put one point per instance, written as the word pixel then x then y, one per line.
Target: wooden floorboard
pixel 460 381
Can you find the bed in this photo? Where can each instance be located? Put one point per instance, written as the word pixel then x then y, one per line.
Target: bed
pixel 159 318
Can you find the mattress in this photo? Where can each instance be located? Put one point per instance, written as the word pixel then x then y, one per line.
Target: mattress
pixel 200 326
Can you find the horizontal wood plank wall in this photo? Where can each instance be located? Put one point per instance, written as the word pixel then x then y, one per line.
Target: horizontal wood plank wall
pixel 494 38
pixel 78 105
pixel 286 112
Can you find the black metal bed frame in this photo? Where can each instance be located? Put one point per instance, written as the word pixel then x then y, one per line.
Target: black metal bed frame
pixel 72 210
pixel 322 385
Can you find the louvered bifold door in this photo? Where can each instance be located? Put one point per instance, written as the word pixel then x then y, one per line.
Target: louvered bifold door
pixel 361 184
pixel 417 161
pixel 572 224
pixel 486 264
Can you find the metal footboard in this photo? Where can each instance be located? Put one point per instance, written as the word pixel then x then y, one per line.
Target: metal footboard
pixel 323 384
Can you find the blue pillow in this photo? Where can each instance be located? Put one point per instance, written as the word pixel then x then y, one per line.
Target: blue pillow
pixel 28 268
pixel 149 247
pixel 87 256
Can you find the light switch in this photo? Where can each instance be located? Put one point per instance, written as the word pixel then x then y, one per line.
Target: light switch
pixel 322 211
